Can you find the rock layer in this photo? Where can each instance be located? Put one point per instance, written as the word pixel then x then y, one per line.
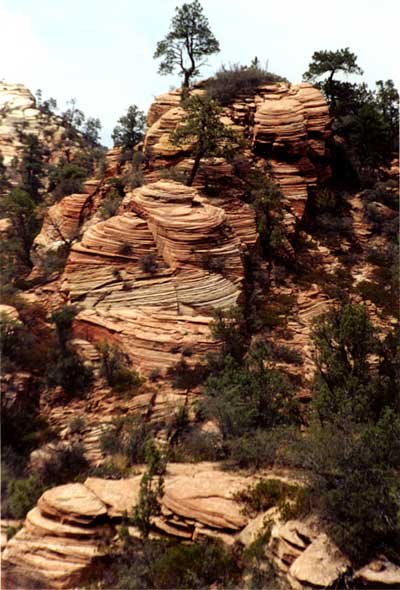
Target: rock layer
pixel 152 276
pixel 64 537
pixel 287 125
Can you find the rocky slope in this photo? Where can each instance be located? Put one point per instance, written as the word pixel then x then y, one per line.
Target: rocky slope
pixel 197 243
pixel 149 277
pixel 73 527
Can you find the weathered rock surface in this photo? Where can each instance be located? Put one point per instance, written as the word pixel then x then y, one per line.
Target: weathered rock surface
pixel 288 125
pixel 72 501
pixel 206 499
pixel 19 111
pixel 155 313
pixel 64 537
pixel 380 572
pixel 321 564
pixel 9 312
pixel 61 538
pixel 119 496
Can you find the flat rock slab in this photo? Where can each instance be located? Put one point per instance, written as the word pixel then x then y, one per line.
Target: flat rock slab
pixel 36 522
pixel 206 498
pixel 119 495
pixel 320 564
pixel 72 499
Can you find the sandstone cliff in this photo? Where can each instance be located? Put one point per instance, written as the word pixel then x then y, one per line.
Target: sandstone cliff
pixel 148 274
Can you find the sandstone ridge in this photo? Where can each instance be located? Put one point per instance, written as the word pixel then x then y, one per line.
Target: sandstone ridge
pixel 64 536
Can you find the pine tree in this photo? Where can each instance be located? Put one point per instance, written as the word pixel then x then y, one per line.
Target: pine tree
pixel 130 129
pixel 204 129
pixel 188 42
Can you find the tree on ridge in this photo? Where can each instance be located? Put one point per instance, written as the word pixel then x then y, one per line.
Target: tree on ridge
pixel 188 42
pixel 331 62
pixel 130 129
pixel 204 129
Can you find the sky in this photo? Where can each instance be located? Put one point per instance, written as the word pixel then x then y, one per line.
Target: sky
pixel 101 51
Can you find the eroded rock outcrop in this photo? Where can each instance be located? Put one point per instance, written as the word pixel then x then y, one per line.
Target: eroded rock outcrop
pixel 151 276
pixel 286 125
pixel 61 538
pixel 66 535
pixel 20 112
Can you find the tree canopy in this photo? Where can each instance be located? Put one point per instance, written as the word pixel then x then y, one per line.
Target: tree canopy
pixel 130 129
pixel 188 42
pixel 331 62
pixel 204 129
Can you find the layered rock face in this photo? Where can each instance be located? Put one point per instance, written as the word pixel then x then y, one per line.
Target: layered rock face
pixel 17 108
pixel 286 125
pixel 61 537
pixel 152 275
pixel 19 112
pixel 66 534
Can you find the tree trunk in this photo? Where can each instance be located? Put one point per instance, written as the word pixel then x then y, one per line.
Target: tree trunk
pixel 194 170
pixel 186 79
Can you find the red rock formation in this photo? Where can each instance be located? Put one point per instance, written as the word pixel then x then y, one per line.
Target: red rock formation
pixel 287 126
pixel 155 313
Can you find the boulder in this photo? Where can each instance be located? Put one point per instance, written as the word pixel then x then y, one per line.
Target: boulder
pixel 379 572
pixel 207 498
pixel 119 495
pixel 320 564
pixel 73 502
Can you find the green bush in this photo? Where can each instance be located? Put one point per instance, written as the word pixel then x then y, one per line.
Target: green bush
pixel 259 449
pixel 195 446
pixel 165 565
pixel 229 328
pixel 26 344
pixel 63 318
pixel 183 376
pixel 196 566
pixel 151 490
pixel 127 437
pixel 346 384
pixel 351 451
pixel 353 482
pixel 148 263
pixel 265 197
pixel 115 370
pixel 70 373
pixel 248 396
pixel 229 83
pixel 259 572
pixel 110 204
pixel 291 499
pixel 55 261
pixel 213 264
pixel 285 354
pixel 379 295
pixel 65 179
pixel 175 174
pixel 67 464
pixel 23 495
pixel 125 249
pixel 77 424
